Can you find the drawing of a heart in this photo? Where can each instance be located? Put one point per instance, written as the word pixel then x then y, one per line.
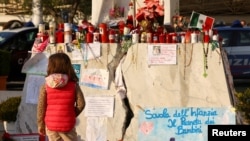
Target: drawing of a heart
pixel 146 127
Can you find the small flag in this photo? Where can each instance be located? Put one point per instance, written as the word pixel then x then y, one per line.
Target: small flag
pixel 200 21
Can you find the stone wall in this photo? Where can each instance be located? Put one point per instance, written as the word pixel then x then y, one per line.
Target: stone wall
pixel 179 85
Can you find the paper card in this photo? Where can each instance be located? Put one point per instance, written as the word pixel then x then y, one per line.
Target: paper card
pixel 159 54
pixel 33 87
pixel 95 78
pixel 99 106
pixel 77 54
pixel 77 68
pixel 91 51
pixel 60 47
pixel 96 129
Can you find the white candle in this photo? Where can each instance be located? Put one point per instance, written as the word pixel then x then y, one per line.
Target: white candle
pixel 194 38
pixel 135 38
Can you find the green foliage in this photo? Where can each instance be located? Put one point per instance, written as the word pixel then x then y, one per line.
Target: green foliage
pixel 56 7
pixel 85 7
pixel 243 103
pixel 215 44
pixel 9 109
pixel 126 44
pixel 5 57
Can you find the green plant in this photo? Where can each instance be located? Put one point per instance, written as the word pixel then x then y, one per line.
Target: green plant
pixel 5 58
pixel 9 109
pixel 126 44
pixel 243 103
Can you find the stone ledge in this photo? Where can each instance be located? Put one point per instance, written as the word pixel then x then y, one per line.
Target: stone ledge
pixel 6 94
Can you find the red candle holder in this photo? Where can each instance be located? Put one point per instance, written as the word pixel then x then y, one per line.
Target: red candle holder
pixel 162 38
pixel 89 37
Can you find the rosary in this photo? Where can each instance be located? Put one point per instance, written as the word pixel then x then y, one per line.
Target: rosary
pixel 205 54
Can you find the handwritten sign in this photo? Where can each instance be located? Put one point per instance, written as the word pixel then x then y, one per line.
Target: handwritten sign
pixel 77 54
pixel 181 124
pixel 33 87
pixel 159 54
pixel 99 106
pixel 95 78
pixel 91 51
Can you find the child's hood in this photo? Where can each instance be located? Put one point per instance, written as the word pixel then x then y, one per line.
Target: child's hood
pixel 56 80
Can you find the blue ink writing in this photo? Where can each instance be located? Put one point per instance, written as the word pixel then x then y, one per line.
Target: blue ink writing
pixel 200 112
pixel 172 123
pixel 183 113
pixel 150 115
pixel 184 121
pixel 210 121
pixel 188 130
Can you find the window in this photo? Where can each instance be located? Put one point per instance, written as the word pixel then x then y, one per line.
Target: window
pixel 227 37
pixel 244 38
pixel 22 42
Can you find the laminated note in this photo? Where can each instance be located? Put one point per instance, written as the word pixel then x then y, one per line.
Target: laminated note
pixel 37 64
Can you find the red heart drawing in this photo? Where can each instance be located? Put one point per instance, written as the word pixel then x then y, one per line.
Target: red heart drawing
pixel 146 127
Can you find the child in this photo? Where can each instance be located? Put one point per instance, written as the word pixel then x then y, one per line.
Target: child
pixel 60 100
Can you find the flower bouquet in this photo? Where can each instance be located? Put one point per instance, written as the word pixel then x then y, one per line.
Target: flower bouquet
pixel 116 12
pixel 180 23
pixel 153 11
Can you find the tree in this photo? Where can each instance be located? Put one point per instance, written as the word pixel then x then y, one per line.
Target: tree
pixel 59 10
pixel 66 10
pixel 37 12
